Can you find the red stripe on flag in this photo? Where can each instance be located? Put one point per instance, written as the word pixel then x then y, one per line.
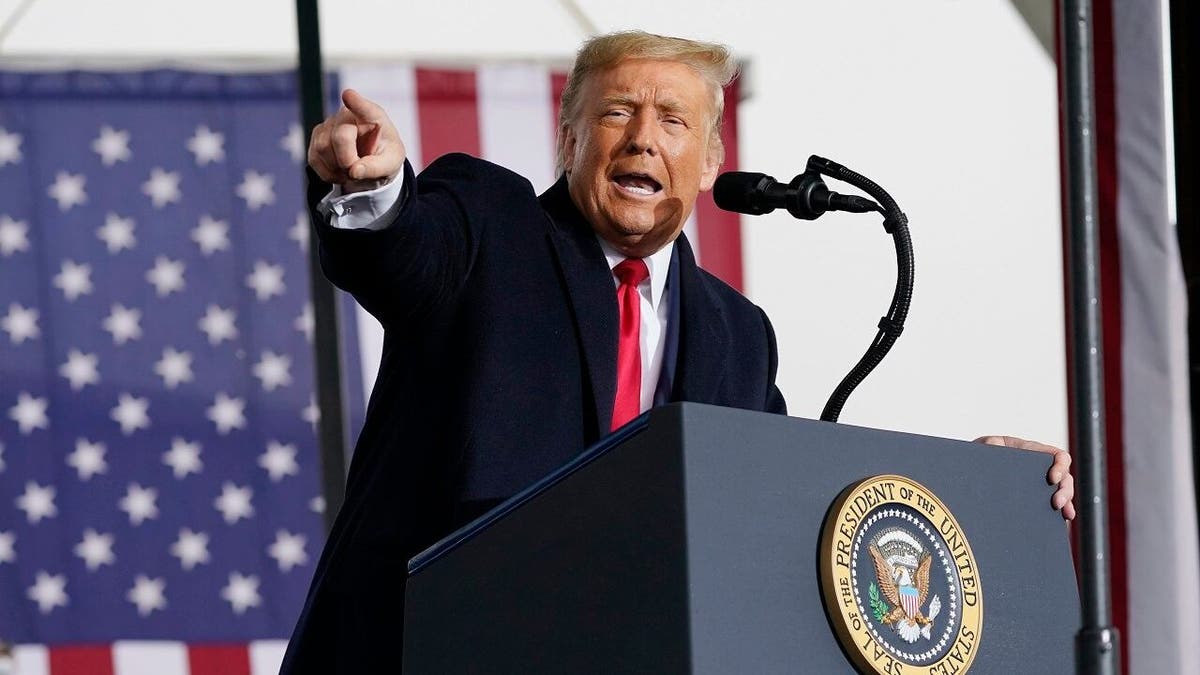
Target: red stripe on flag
pixel 1110 294
pixel 558 82
pixel 720 232
pixel 448 111
pixel 81 660
pixel 218 660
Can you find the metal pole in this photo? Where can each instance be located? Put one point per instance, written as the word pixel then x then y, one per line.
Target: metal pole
pixel 1097 647
pixel 331 427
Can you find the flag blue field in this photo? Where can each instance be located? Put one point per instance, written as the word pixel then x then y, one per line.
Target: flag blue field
pixel 159 475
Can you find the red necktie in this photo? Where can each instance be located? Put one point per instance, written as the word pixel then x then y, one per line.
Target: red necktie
pixel 630 272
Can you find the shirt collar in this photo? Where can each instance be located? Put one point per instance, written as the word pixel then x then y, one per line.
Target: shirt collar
pixel 658 263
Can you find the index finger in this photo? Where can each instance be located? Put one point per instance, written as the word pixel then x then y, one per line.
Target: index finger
pixel 364 108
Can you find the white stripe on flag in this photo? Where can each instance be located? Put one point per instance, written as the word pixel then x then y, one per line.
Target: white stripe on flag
pixel 160 657
pixel 393 86
pixel 1163 578
pixel 31 660
pixel 266 656
pixel 516 120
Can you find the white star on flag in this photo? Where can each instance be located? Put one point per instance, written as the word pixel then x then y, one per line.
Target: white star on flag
pixel 139 503
pixel 148 594
pixel 288 550
pixel 299 232
pixel 306 323
pixel 207 145
pixel 88 458
pixel 227 413
pixel 293 142
pixel 48 591
pixel 279 460
pixel 174 367
pixel 117 233
pixel 68 190
pixel 266 280
pixel 37 502
pixel 211 235
pixel 74 280
pixel 124 324
pixel 311 413
pixel 317 504
pixel 8 547
pixel 183 457
pixel 20 323
pixel 80 369
pixel 257 189
pixel 14 236
pixel 166 276
pixel 241 592
pixel 272 370
pixel 112 145
pixel 10 147
pixel 130 413
pixel 162 187
pixel 29 413
pixel 95 549
pixel 191 548
pixel 218 324
pixel 234 502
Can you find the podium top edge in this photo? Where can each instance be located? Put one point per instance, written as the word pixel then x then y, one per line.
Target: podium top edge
pixel 471 529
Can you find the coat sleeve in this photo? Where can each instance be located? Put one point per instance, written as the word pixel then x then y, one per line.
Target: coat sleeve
pixel 421 260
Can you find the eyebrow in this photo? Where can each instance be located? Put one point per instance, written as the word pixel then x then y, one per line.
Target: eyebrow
pixel 668 106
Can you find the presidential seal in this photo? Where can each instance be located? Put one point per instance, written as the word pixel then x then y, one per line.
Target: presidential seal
pixel 899 580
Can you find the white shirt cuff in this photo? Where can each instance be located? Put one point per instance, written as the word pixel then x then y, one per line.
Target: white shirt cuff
pixel 369 210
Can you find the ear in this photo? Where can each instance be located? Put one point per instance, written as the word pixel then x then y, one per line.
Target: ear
pixel 567 142
pixel 712 165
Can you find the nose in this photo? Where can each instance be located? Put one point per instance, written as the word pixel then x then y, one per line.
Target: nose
pixel 640 133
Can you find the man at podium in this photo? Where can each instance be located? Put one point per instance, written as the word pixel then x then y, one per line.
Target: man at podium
pixel 520 329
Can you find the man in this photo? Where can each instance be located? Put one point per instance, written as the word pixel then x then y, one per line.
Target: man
pixel 521 329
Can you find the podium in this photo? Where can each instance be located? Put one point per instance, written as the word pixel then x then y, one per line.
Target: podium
pixel 690 541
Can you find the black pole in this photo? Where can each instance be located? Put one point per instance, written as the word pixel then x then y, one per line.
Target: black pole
pixel 1097 646
pixel 1185 67
pixel 331 427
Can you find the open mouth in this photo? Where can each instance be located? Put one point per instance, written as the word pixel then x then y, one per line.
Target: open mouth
pixel 637 183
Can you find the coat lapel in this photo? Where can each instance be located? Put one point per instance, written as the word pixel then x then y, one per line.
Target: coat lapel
pixel 589 286
pixel 703 335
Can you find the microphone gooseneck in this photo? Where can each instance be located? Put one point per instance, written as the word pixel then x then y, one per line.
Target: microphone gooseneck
pixel 807 198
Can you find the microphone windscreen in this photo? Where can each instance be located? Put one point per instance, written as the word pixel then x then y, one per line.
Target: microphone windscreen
pixel 742 192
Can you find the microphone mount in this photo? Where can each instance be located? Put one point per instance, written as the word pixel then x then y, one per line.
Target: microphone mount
pixel 806 197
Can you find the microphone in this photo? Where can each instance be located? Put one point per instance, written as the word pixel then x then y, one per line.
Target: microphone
pixel 806 197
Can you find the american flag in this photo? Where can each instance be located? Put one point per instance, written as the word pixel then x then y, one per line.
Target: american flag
pixel 160 506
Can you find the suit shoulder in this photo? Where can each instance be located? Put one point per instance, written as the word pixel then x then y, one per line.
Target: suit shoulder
pixel 727 295
pixel 461 167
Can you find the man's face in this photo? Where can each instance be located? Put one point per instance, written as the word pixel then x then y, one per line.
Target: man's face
pixel 639 152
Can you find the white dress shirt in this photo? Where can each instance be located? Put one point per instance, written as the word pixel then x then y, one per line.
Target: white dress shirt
pixel 375 209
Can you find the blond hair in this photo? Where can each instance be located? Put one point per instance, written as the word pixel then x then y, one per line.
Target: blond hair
pixel 711 61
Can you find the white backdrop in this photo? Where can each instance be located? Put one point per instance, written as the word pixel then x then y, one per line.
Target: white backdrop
pixel 951 106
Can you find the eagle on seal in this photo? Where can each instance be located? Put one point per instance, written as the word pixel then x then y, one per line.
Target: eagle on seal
pixel 904 581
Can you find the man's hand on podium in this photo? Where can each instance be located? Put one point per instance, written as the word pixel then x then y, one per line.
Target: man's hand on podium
pixel 1059 474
